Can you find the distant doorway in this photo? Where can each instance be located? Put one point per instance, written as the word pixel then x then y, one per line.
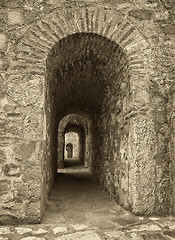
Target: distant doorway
pixel 69 150
pixel 71 145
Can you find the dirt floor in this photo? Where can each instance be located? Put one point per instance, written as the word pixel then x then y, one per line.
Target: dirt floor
pixel 77 198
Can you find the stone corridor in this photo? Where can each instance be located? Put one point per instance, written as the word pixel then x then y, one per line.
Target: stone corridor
pixel 78 208
pixel 104 70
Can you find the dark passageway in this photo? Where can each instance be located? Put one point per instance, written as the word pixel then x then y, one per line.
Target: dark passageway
pixel 88 75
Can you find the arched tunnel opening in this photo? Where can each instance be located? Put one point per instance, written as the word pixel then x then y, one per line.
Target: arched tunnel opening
pixel 88 78
pixel 74 145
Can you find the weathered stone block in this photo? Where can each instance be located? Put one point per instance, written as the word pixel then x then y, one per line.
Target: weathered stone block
pixel 33 238
pixel 3 42
pixel 8 220
pixel 25 150
pixel 9 108
pixel 21 191
pixel 4 186
pixel 12 169
pixel 15 17
pixel 33 212
pixel 4 63
pixel 82 235
pixel 2 156
pixel 10 3
pixel 141 14
pixel 3 90
pixel 168 29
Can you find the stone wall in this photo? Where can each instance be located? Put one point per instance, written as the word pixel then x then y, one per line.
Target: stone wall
pixel 22 148
pixel 144 30
pixel 112 161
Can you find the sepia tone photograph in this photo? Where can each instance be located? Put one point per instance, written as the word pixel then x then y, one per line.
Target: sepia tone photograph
pixel 87 119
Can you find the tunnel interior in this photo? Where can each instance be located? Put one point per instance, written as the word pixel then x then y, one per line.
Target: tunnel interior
pixel 87 74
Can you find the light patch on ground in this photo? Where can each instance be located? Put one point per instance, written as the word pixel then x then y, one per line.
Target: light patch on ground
pixel 59 230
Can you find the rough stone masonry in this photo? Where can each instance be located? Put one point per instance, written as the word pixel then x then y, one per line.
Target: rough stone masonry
pixel 110 60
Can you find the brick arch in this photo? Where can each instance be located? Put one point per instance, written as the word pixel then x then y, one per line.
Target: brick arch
pixel 39 39
pixel 75 119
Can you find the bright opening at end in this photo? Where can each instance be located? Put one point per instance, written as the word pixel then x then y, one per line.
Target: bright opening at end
pixel 71 148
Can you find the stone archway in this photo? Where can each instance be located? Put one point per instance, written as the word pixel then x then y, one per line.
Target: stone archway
pixel 82 124
pixel 31 53
pixel 122 101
